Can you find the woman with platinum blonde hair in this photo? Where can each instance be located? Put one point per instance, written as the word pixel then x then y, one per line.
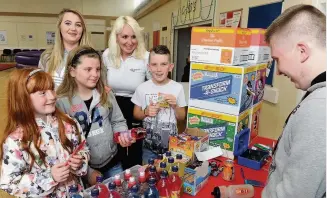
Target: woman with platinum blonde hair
pixel 126 61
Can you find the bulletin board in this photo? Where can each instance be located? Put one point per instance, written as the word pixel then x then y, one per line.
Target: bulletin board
pixel 230 18
pixel 262 17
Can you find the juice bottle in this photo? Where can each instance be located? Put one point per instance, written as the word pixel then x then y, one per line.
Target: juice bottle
pixel 73 192
pixel 164 185
pixel 119 187
pixel 152 191
pixel 233 191
pixel 176 183
pixel 159 159
pixel 167 155
pixel 127 175
pixel 131 182
pixel 112 190
pixel 179 163
pixel 163 166
pixel 153 173
pixel 170 164
pixel 142 182
pixel 103 190
pixel 150 163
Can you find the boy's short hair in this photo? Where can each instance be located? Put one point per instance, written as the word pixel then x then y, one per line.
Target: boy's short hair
pixel 302 19
pixel 160 49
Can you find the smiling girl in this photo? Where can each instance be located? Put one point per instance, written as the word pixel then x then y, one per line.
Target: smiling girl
pixel 36 149
pixel 71 32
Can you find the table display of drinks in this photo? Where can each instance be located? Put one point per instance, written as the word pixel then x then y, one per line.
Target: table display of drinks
pixel 148 181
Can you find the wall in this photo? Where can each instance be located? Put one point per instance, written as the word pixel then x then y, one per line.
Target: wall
pixel 86 7
pixel 162 17
pixel 19 28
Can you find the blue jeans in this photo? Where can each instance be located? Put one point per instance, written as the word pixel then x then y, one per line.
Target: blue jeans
pixel 113 171
pixel 147 154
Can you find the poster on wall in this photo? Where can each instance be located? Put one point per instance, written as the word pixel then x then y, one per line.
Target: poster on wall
pixel 230 19
pixel 3 37
pixel 50 38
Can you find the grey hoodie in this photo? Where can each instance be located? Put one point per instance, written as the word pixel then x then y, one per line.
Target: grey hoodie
pixel 298 169
pixel 105 122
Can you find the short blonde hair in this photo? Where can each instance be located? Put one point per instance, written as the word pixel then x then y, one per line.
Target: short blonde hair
pixel 52 58
pixel 114 49
pixel 302 19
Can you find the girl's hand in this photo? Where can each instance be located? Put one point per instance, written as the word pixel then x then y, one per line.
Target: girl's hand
pixel 60 172
pixel 75 162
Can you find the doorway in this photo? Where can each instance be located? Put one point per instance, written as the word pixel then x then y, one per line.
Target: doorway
pixel 182 45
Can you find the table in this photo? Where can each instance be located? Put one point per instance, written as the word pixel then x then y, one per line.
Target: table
pixel 260 175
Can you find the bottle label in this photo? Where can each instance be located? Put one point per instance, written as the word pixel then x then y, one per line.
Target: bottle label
pixel 176 194
pixel 242 191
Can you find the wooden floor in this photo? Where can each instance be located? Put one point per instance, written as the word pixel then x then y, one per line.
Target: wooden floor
pixel 4 76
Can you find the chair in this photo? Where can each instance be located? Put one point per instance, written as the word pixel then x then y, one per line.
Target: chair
pixel 34 50
pixel 27 59
pixel 41 50
pixel 5 54
pixel 26 50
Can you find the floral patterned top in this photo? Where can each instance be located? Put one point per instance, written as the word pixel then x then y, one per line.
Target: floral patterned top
pixel 17 180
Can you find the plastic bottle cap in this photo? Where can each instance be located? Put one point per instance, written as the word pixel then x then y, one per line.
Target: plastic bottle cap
pixel 152 169
pixel 160 157
pixel 127 171
pixel 112 186
pixel 117 177
pixel 174 168
pixel 73 188
pixel 163 165
pixel 151 161
pixel 164 173
pixel 171 160
pixel 168 153
pixel 179 156
pixel 132 179
pixel 142 174
pixel 152 180
pixel 216 192
pixel 99 179
pixel 94 192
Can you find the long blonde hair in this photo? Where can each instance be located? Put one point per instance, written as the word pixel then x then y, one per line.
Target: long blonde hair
pixel 114 49
pixel 54 56
pixel 68 86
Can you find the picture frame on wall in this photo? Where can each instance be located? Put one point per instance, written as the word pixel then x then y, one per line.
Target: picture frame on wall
pixel 3 37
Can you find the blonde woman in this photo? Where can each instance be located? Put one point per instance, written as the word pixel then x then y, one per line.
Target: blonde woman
pixel 71 32
pixel 126 61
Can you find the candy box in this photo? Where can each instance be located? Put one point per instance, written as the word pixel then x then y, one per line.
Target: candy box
pixel 259 51
pixel 196 178
pixel 260 82
pixel 227 89
pixel 188 147
pixel 220 127
pixel 226 46
pixel 254 120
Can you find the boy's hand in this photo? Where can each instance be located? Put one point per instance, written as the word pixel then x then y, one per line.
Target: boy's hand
pixel 75 162
pixel 125 140
pixel 171 99
pixel 60 172
pixel 152 109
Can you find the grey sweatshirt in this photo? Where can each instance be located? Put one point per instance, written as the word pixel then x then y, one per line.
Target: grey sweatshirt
pixel 105 122
pixel 298 169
